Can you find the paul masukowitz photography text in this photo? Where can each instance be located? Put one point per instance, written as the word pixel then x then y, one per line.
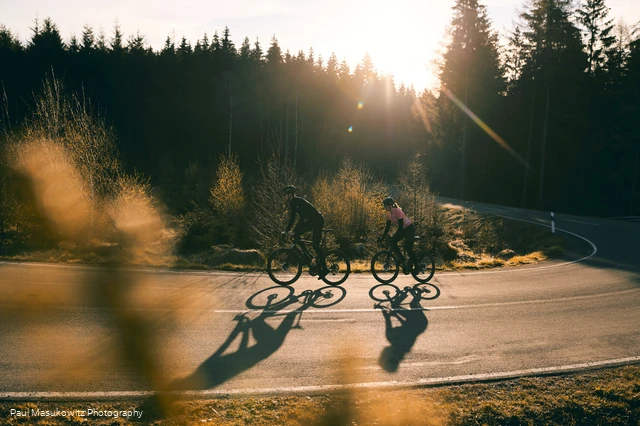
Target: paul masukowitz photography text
pixel 89 412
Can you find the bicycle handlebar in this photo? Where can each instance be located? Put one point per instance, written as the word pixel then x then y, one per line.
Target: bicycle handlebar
pixel 383 241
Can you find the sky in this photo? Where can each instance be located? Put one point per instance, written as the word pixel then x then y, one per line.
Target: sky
pixel 403 37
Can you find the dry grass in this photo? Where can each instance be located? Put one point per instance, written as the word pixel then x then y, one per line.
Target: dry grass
pixel 605 397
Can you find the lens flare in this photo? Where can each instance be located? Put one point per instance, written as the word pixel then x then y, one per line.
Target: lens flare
pixel 484 126
pixel 350 129
pixel 360 105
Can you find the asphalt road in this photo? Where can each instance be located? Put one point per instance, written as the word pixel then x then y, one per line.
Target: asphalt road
pixel 79 331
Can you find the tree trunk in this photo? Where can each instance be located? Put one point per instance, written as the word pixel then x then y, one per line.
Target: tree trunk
pixel 543 153
pixel 634 183
pixel 295 149
pixel 464 138
pixel 230 122
pixel 529 139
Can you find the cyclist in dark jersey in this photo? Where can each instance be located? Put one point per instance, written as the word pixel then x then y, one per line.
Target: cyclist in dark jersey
pixel 309 219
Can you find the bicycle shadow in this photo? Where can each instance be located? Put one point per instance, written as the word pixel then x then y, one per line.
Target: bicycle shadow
pixel 413 322
pixel 222 366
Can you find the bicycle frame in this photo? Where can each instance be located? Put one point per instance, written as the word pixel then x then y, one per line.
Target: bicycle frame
pixel 300 246
pixel 390 250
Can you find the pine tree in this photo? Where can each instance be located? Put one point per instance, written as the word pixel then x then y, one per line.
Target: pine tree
pixel 135 44
pixel 515 57
pixel 46 41
pixel 88 40
pixel 245 49
pixel 7 41
pixel 184 50
pixel 332 65
pixel 274 54
pixel 74 47
pixel 256 52
pixel 169 48
pixel 598 30
pixel 228 49
pixel 471 74
pixel 557 63
pixel 116 44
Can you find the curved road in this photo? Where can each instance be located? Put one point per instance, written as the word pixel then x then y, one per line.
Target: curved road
pixel 88 332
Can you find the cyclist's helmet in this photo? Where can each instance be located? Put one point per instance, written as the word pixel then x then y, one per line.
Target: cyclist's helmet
pixel 289 189
pixel 388 201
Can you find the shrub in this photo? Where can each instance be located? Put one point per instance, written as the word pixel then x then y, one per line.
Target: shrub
pixel 268 209
pixel 228 201
pixel 420 205
pixel 65 182
pixel 350 202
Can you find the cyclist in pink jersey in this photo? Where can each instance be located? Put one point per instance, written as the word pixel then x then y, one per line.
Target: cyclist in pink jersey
pixel 406 229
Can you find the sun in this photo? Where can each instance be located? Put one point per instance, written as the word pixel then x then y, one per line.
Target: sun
pixel 398 36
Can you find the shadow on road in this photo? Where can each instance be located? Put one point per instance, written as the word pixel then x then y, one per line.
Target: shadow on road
pixel 412 323
pixel 221 366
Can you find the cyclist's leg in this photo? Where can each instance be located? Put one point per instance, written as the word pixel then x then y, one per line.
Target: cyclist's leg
pixel 301 228
pixel 409 239
pixel 394 245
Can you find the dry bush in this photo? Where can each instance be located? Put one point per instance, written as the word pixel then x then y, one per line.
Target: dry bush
pixel 223 221
pixel 65 185
pixel 228 201
pixel 138 224
pixel 414 191
pixel 350 201
pixel 70 121
pixel 420 205
pixel 483 234
pixel 63 142
pixel 269 210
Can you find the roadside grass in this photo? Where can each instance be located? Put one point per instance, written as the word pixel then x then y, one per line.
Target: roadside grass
pixel 471 241
pixel 601 397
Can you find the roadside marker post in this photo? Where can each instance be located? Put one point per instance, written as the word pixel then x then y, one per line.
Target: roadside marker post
pixel 553 223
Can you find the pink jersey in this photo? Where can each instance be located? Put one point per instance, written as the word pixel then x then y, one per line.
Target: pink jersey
pixel 396 213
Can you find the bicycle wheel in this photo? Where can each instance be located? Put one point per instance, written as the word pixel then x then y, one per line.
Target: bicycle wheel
pixel 270 298
pixel 339 267
pixel 424 269
pixel 327 296
pixel 384 266
pixel 427 291
pixel 384 292
pixel 284 266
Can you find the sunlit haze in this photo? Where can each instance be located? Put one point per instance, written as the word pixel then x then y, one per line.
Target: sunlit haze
pixel 403 37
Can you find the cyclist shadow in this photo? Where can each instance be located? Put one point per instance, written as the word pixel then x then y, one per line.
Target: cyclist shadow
pixel 413 322
pixel 222 366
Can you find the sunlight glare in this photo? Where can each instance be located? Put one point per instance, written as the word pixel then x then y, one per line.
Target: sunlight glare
pixel 488 130
pixel 393 35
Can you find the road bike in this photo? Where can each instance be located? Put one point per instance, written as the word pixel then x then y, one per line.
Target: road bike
pixel 385 265
pixel 285 265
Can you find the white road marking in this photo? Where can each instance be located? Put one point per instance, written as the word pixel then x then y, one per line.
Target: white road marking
pixel 459 361
pixel 432 308
pixel 429 382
